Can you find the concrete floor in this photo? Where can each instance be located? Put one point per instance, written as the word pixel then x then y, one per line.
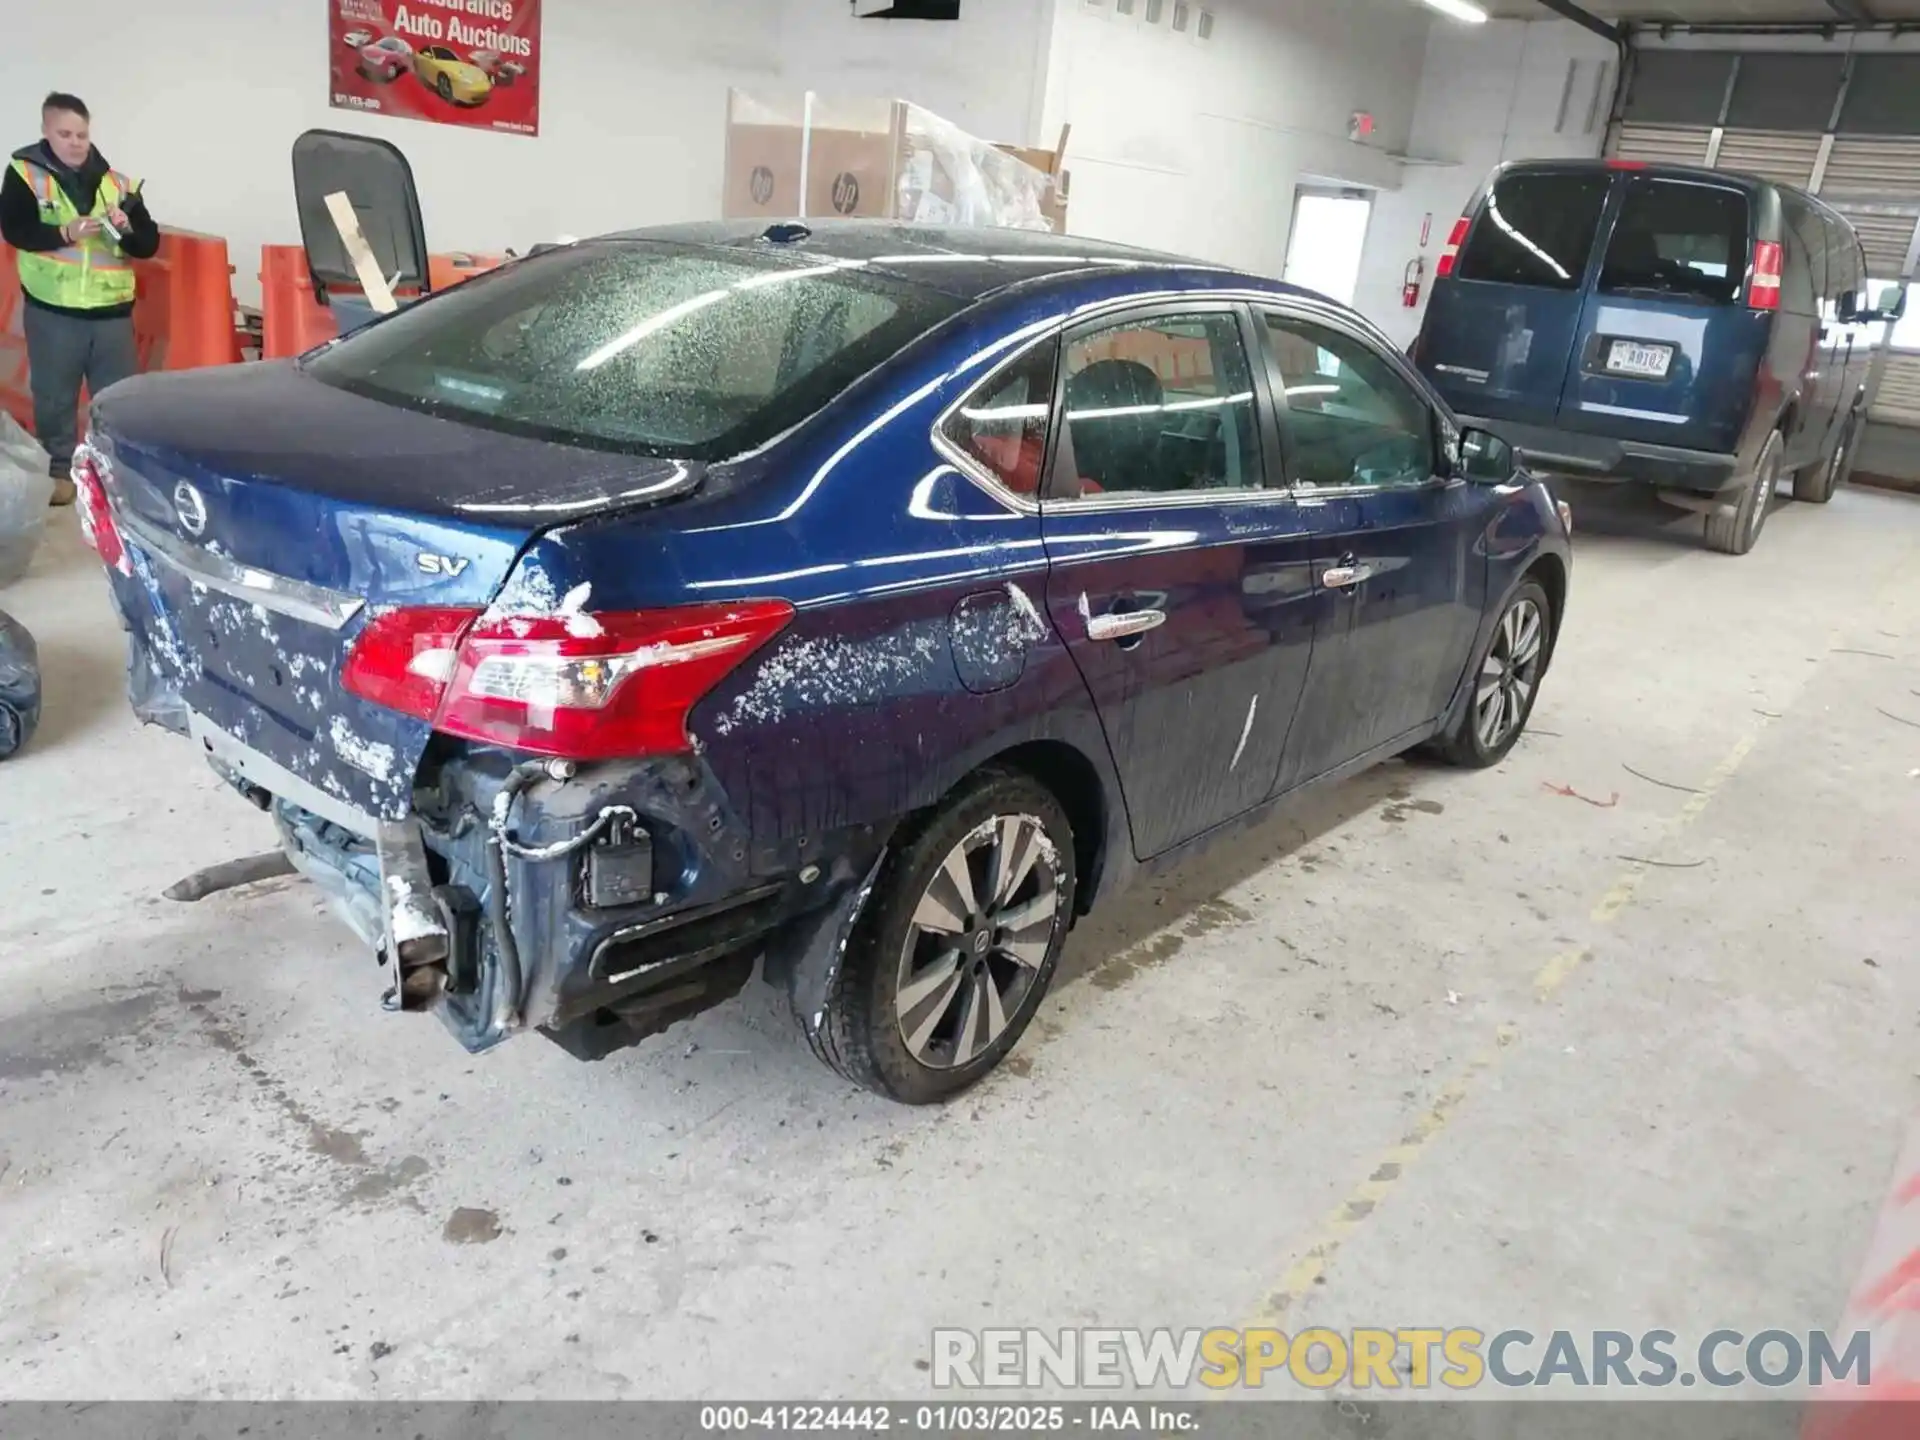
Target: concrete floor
pixel 1637 1096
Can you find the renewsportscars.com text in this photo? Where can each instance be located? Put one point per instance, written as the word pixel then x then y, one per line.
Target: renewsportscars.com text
pixel 1393 1359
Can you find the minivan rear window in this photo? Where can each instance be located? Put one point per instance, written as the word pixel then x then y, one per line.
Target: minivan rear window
pixel 1678 239
pixel 1537 229
pixel 682 352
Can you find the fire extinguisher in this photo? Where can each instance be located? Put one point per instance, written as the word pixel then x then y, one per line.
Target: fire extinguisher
pixel 1410 290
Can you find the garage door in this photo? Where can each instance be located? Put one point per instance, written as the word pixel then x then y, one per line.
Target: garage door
pixel 1844 127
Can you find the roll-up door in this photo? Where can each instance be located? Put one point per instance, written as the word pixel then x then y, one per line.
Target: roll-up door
pixel 1897 401
pixel 1772 155
pixel 1664 144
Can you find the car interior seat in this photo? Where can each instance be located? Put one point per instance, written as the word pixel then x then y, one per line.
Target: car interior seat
pixel 1116 451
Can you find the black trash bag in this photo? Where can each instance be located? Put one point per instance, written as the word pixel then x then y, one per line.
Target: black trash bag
pixel 19 685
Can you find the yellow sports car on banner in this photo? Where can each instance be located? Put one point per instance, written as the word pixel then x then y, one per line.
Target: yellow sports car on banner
pixel 453 79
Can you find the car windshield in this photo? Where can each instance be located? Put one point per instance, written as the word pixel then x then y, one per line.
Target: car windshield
pixel 676 351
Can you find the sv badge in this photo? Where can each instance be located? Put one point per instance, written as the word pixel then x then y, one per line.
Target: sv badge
pixel 447 565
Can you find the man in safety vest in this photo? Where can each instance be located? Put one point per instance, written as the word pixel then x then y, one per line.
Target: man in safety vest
pixel 78 224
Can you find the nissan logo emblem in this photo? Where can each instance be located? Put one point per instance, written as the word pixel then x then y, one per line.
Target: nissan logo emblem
pixel 191 508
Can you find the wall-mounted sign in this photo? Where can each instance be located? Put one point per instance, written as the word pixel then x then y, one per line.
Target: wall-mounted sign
pixel 454 62
pixel 1360 127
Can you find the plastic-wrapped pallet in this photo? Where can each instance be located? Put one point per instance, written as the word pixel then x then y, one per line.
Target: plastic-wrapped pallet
pixel 949 177
pixel 25 491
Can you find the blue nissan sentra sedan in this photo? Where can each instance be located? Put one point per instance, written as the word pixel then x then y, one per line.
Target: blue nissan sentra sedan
pixel 863 601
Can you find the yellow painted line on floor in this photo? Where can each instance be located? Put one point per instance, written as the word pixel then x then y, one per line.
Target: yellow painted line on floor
pixel 1390 1168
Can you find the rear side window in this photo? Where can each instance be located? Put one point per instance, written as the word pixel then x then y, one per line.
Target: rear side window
pixel 1537 230
pixel 1687 241
pixel 1002 426
pixel 667 350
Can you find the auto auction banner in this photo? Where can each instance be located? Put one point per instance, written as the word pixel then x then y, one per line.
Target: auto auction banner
pixel 453 62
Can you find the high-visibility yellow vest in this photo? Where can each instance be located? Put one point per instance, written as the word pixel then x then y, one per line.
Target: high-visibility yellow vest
pixel 91 275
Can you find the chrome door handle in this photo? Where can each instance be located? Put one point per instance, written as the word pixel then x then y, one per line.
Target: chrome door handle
pixel 1341 576
pixel 1127 623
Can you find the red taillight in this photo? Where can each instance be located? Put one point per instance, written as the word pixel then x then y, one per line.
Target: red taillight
pixel 1626 164
pixel 1764 292
pixel 404 659
pixel 96 515
pixel 1450 257
pixel 581 686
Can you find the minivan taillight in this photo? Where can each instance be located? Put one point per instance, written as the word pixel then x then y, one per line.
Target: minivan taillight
pixel 1764 292
pixel 607 686
pixel 1450 257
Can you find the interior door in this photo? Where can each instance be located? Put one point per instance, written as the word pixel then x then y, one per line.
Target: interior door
pixel 1394 542
pixel 1180 570
pixel 1329 235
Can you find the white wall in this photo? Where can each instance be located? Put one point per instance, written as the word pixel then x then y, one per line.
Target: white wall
pixel 203 99
pixel 1488 93
pixel 1197 148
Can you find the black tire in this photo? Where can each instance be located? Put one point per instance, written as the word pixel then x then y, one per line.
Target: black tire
pixel 862 1034
pixel 1466 743
pixel 1817 485
pixel 445 86
pixel 1734 530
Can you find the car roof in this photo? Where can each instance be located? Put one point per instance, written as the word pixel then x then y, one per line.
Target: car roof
pixel 1737 179
pixel 965 263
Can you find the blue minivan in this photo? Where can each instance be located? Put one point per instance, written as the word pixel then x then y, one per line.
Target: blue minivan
pixel 1698 331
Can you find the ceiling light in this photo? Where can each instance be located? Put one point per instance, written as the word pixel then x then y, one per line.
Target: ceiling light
pixel 1462 10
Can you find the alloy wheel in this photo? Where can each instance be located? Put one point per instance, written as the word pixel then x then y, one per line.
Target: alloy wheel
pixel 1837 467
pixel 978 939
pixel 1509 674
pixel 1766 483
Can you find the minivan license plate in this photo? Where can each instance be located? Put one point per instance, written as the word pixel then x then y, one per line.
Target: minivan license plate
pixel 1630 357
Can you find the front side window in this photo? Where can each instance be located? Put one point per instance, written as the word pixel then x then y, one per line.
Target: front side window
pixel 1002 426
pixel 1680 240
pixel 1161 406
pixel 1537 229
pixel 1349 417
pixel 674 351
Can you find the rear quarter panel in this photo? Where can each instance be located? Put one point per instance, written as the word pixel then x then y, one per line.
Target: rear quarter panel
pixel 920 648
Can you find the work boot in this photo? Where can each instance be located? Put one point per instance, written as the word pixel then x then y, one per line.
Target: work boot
pixel 64 492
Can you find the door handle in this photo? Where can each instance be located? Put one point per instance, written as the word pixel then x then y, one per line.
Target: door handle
pixel 1124 625
pixel 1341 576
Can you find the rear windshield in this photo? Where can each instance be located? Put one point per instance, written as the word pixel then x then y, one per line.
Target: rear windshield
pixel 1537 230
pixel 1677 239
pixel 680 352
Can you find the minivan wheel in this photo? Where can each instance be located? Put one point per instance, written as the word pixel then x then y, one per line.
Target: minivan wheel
pixel 958 944
pixel 1504 685
pixel 1734 531
pixel 1816 484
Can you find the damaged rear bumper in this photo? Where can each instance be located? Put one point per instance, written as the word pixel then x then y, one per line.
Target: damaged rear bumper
pixel 597 905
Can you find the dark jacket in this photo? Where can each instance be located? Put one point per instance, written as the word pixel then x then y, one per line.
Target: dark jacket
pixel 21 225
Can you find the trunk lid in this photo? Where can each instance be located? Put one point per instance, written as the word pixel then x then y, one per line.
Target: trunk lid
pixel 267 517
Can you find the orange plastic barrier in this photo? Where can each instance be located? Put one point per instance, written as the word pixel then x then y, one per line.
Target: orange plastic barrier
pixel 183 317
pixel 292 322
pixel 446 271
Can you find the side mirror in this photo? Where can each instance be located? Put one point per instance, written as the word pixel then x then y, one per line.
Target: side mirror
pixel 1893 302
pixel 1486 458
pixel 1849 309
